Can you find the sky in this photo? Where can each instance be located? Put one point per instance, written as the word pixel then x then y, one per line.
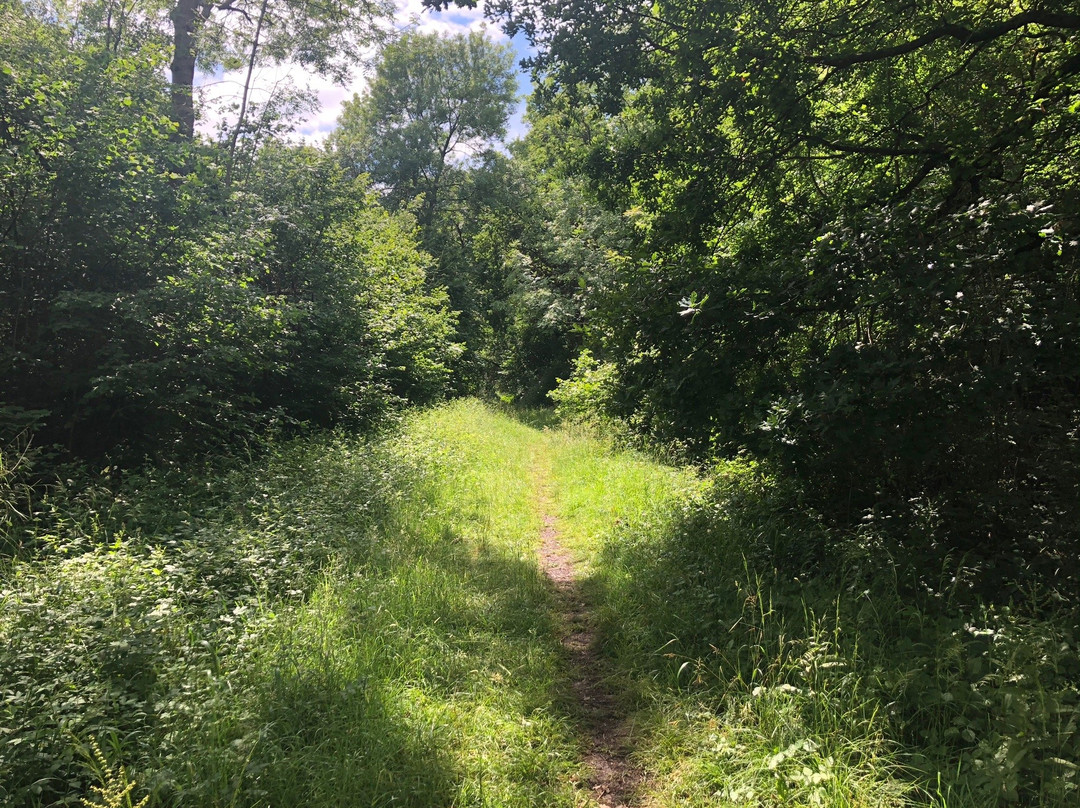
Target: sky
pixel 410 15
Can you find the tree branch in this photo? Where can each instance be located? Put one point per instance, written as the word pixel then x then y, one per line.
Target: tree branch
pixel 877 151
pixel 228 8
pixel 947 30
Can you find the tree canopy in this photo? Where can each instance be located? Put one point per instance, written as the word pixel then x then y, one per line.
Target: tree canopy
pixel 434 101
pixel 147 310
pixel 854 248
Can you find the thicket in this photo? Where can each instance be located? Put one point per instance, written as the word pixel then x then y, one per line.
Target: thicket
pixel 848 248
pixel 162 296
pixel 510 242
pixel 136 626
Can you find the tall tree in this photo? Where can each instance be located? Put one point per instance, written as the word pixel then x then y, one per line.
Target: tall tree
pixel 434 101
pixel 424 132
pixel 327 36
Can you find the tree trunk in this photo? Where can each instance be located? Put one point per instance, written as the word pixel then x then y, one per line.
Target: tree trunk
pixel 244 101
pixel 184 16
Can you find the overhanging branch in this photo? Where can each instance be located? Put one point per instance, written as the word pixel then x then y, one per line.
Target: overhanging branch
pixel 962 34
pixel 932 150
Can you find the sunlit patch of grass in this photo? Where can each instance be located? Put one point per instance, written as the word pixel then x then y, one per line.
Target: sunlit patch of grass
pixel 597 490
pixel 359 623
pixel 429 675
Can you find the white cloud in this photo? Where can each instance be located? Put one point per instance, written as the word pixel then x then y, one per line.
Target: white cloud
pixel 453 21
pixel 219 91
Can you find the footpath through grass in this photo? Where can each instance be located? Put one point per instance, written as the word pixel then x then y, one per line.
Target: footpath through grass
pixel 351 624
pixel 365 624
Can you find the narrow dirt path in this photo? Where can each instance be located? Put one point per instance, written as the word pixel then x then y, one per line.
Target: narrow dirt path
pixel 612 779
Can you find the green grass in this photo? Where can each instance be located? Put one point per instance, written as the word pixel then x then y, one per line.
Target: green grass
pixel 705 738
pixel 753 688
pixel 348 622
pixel 597 490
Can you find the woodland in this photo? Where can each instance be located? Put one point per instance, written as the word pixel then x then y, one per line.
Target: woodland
pixel 774 310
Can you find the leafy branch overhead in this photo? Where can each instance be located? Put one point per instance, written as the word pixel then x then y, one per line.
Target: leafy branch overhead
pixel 327 37
pixel 963 35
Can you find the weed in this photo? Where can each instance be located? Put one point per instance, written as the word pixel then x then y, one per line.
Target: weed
pixel 114 789
pixel 347 623
pixel 761 687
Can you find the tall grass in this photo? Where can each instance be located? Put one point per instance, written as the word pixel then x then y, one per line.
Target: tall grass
pixel 350 623
pixel 755 688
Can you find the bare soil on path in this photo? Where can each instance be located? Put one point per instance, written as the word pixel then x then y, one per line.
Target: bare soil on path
pixel 612 779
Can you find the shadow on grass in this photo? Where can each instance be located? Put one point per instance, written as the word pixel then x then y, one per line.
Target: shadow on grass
pixel 540 418
pixel 428 681
pixel 686 620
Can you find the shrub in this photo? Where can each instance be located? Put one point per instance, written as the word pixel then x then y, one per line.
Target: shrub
pixel 588 394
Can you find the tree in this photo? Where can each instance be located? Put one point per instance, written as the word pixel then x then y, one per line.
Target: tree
pixel 328 37
pixel 423 132
pixel 434 102
pixel 557 247
pixel 854 252
pixel 371 332
pixel 81 108
pixel 136 319
pixel 307 306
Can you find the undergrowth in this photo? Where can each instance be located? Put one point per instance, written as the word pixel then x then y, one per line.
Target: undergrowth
pixel 346 623
pixel 754 687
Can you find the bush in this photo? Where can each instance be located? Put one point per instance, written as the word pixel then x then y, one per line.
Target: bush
pixel 120 632
pixel 588 394
pixel 805 680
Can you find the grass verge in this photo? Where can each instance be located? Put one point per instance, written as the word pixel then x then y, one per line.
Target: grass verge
pixel 350 623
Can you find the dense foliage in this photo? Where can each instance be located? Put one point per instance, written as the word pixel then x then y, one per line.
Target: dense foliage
pixel 162 295
pixel 836 241
pixel 426 131
pixel 854 253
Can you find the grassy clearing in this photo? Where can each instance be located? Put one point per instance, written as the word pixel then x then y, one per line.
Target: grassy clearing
pixel 351 624
pixel 364 623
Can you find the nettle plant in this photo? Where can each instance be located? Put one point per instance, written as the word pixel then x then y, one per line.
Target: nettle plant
pixel 996 694
pixel 130 638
